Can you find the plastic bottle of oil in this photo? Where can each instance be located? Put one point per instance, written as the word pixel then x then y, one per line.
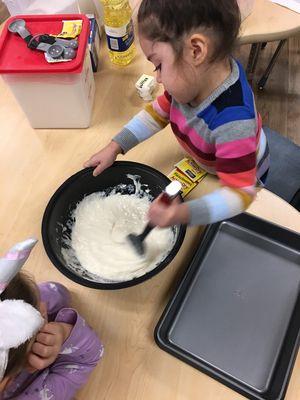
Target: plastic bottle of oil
pixel 119 31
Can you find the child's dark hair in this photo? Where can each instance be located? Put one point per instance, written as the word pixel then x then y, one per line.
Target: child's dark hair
pixel 20 288
pixel 169 20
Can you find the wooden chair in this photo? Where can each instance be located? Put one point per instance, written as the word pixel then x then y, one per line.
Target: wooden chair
pixel 284 174
pixel 268 22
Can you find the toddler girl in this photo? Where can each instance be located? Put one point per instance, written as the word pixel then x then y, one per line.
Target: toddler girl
pixel 207 101
pixel 47 351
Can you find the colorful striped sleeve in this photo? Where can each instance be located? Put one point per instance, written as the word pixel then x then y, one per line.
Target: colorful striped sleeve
pixel 153 118
pixel 236 146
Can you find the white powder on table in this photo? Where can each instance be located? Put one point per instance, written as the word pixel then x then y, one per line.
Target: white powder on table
pixel 98 238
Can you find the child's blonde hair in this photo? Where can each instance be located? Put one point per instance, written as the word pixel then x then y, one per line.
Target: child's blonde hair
pixel 21 287
pixel 169 20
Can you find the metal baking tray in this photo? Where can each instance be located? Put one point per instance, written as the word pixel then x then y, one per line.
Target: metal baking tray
pixel 235 314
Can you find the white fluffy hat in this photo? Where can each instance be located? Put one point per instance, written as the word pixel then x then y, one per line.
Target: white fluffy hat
pixel 19 321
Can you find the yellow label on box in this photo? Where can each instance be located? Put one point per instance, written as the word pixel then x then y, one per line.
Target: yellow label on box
pixel 191 169
pixel 70 29
pixel 187 184
pixel 188 173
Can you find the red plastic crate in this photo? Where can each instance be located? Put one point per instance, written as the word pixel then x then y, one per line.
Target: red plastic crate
pixel 17 58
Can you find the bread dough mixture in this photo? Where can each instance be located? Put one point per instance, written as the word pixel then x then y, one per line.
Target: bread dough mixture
pixel 99 236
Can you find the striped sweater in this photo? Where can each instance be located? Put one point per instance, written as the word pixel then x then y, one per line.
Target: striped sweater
pixel 223 134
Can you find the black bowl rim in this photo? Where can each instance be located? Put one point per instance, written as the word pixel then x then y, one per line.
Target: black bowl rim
pixel 102 285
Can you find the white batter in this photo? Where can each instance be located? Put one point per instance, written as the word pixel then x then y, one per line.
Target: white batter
pixel 99 236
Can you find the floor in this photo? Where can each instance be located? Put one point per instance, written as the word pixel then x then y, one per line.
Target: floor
pixel 279 102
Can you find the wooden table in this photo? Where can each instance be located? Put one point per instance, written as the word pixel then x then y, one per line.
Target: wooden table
pixel 269 22
pixel 34 163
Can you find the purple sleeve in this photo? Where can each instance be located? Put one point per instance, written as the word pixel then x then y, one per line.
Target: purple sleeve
pixel 56 297
pixel 78 357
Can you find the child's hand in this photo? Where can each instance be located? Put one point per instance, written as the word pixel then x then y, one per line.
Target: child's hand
pixel 163 215
pixel 104 158
pixel 47 345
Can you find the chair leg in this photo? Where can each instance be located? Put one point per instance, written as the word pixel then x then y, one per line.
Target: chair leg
pixel 252 61
pixel 264 78
pixel 264 45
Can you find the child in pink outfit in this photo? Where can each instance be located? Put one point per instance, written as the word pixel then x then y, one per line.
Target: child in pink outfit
pixel 47 350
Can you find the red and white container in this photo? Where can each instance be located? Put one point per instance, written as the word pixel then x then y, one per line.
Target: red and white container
pixel 58 95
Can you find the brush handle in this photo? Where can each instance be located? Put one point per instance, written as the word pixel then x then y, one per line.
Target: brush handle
pixel 170 192
pixel 146 231
pixel 165 198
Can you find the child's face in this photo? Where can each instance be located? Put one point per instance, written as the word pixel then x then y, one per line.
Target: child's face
pixel 178 78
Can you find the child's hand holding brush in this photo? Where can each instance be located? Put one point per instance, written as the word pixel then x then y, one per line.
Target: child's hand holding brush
pixel 164 215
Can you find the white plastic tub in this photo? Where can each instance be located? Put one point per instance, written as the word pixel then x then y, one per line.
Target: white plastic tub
pixel 17 7
pixel 56 100
pixel 57 95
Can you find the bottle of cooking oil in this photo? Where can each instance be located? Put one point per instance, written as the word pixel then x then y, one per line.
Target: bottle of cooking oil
pixel 119 31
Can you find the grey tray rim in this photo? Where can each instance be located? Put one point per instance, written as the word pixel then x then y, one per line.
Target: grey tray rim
pixel 288 354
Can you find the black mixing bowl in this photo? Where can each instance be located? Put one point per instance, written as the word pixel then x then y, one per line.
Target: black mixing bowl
pixel 60 207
